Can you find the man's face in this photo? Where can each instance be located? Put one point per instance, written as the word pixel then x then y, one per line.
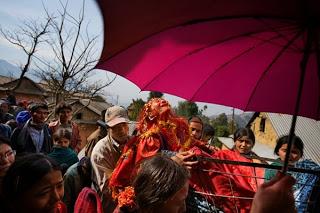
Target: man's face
pixel 40 115
pixel 196 130
pixel 4 107
pixel 65 115
pixel 120 132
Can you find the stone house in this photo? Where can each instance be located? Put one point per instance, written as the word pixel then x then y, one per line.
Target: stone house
pixel 28 89
pixel 268 127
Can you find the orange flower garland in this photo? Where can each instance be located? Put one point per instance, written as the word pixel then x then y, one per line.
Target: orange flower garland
pixel 126 197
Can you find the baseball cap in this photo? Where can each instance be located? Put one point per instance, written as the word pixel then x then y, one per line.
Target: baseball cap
pixel 115 115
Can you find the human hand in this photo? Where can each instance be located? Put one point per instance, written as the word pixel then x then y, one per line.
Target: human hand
pixel 275 196
pixel 186 159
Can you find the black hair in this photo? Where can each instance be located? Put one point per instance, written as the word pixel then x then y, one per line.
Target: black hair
pixel 4 140
pixel 61 133
pixel 244 132
pixel 297 142
pixel 158 179
pixel 84 169
pixel 25 173
pixel 195 119
pixel 35 106
pixel 60 106
pixel 208 130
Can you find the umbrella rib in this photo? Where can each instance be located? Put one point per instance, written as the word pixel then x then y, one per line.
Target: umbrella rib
pixel 191 22
pixel 294 29
pixel 202 48
pixel 233 59
pixel 272 63
pixel 317 50
pixel 276 31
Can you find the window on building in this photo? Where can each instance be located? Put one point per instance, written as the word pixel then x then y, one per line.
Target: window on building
pixel 79 116
pixel 262 125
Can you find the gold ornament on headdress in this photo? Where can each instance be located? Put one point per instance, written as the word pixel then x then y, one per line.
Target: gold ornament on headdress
pixel 157 118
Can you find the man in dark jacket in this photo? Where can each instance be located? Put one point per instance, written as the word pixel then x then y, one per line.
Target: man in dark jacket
pixel 34 136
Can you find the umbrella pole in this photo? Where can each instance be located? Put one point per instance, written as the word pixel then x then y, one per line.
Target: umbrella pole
pixel 303 66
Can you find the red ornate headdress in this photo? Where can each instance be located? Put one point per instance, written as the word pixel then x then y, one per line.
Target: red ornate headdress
pixel 157 117
pixel 158 128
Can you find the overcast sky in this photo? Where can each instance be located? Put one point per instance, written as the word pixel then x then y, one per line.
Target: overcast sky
pixel 121 91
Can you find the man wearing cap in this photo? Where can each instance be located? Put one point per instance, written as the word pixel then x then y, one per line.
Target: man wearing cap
pixel 107 151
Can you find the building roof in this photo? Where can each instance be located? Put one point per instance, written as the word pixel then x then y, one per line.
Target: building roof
pixel 5 79
pixel 307 129
pixel 95 106
pixel 33 88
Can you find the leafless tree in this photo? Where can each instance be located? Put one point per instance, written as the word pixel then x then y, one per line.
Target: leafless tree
pixel 27 37
pixel 74 50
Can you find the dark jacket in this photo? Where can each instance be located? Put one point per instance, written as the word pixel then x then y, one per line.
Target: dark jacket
pixel 21 140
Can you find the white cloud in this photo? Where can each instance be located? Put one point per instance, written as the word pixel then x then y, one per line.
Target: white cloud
pixel 5 43
pixel 45 53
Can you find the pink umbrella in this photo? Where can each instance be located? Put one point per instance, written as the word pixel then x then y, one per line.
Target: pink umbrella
pixel 252 55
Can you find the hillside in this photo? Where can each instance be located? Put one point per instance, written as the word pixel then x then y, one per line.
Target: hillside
pixel 12 71
pixel 9 70
pixel 240 119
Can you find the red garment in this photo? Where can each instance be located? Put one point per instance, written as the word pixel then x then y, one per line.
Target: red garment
pixel 200 180
pixel 168 134
pixel 204 146
pixel 75 142
pixel 242 185
pixel 88 201
pixel 125 168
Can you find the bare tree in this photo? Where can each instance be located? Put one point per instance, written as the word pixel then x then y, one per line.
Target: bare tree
pixel 27 37
pixel 74 49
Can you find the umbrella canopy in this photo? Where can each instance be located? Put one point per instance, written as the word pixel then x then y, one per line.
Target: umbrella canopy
pixel 241 53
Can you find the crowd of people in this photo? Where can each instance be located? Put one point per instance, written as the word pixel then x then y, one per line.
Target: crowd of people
pixel 159 168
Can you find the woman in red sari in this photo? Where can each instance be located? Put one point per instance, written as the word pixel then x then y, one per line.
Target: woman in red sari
pixel 235 185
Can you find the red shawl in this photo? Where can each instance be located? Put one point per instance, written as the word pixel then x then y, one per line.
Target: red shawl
pixel 242 185
pixel 88 201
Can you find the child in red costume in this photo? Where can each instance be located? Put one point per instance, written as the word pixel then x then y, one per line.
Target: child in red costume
pixel 158 129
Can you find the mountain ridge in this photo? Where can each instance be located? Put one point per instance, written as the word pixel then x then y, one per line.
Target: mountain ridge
pixel 9 70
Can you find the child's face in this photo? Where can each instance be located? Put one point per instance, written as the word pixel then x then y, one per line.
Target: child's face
pixel 244 145
pixel 45 194
pixel 65 115
pixel 63 142
pixel 294 156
